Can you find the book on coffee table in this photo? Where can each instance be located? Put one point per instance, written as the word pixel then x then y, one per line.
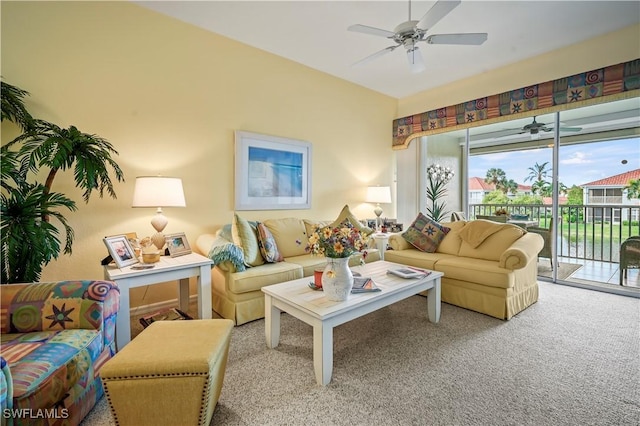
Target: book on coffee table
pixel 364 285
pixel 409 272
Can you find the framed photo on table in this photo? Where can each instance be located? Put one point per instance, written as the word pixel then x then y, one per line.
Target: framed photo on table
pixel 177 244
pixel 271 172
pixel 121 250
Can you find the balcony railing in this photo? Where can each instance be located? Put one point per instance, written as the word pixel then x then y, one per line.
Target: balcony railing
pixel 589 232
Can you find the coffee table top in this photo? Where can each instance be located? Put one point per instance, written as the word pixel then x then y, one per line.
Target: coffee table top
pixel 298 293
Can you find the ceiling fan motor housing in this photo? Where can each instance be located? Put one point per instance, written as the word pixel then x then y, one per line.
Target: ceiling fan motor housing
pixel 408 34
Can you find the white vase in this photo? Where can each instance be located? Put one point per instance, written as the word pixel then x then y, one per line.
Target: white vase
pixel 337 279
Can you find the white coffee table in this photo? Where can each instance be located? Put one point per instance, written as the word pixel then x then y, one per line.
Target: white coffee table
pixel 297 299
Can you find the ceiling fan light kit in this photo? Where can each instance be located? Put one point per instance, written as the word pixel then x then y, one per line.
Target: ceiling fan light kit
pixel 416 63
pixel 411 32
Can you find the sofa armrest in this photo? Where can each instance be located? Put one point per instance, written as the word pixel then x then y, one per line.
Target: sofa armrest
pixel 521 252
pixel 396 242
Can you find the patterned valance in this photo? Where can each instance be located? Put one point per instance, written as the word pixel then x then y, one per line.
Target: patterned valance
pixel 574 91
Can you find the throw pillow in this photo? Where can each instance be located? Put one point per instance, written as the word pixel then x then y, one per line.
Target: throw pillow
pixel 245 236
pixel 346 214
pixel 425 234
pixel 267 245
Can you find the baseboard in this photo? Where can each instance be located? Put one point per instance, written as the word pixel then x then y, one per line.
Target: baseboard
pixel 166 304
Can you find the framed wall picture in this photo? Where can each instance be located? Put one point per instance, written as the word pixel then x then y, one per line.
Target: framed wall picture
pixel 271 173
pixel 120 250
pixel 177 244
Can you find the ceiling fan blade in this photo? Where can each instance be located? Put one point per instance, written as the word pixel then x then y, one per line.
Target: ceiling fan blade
pixel 562 129
pixel 498 134
pixel 375 55
pixel 474 39
pixel 436 13
pixel 570 129
pixel 358 28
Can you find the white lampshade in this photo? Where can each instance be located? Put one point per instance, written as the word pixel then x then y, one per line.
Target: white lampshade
pixel 378 194
pixel 158 192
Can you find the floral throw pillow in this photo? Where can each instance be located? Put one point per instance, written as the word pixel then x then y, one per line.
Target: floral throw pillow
pixel 425 234
pixel 267 245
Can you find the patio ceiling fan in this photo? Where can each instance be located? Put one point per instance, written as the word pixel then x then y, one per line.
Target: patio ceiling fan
pixel 408 34
pixel 534 129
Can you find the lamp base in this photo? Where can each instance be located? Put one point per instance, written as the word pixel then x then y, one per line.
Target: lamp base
pixel 158 240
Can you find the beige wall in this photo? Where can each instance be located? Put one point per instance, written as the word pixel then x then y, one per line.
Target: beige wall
pixel 169 96
pixel 609 49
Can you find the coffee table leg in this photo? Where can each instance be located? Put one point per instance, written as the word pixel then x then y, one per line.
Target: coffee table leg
pixel 323 353
pixel 271 323
pixel 433 302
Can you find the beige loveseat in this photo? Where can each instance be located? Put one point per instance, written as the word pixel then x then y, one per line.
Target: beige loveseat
pixel 488 267
pixel 237 295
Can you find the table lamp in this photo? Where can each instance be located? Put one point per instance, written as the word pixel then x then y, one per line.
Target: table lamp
pixel 378 194
pixel 159 192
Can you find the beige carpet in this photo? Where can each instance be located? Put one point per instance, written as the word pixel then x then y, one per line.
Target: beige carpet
pixel 564 271
pixel 573 358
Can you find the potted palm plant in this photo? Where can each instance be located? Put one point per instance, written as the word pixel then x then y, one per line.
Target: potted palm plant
pixel 29 240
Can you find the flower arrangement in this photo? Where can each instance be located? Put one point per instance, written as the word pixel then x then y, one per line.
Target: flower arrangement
pixel 339 242
pixel 438 177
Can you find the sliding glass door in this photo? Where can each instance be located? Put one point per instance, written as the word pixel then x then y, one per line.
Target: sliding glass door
pixel 568 174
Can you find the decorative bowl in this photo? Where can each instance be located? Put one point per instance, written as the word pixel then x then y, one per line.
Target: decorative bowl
pixel 152 257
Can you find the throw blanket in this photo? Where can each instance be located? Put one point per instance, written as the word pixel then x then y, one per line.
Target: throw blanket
pixel 474 233
pixel 223 250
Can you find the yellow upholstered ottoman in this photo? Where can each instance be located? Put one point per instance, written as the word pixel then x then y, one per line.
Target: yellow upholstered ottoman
pixel 170 374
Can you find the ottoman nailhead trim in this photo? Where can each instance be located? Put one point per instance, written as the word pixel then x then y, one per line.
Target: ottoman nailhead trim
pixel 142 376
pixel 204 400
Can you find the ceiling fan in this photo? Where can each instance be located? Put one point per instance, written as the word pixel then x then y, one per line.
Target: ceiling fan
pixel 408 34
pixel 534 129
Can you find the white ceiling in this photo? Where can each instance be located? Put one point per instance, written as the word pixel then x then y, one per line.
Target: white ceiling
pixel 314 33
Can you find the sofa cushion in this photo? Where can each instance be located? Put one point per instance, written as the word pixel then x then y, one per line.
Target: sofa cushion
pixel 345 214
pixel 425 234
pixel 450 244
pixel 310 226
pixel 494 245
pixel 478 271
pixel 253 279
pixel 45 365
pixel 245 236
pixel 290 235
pixel 415 257
pixel 267 244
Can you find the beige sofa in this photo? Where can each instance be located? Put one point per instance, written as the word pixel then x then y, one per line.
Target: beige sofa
pixel 488 267
pixel 237 295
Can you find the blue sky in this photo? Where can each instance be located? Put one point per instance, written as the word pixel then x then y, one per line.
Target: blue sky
pixel 579 164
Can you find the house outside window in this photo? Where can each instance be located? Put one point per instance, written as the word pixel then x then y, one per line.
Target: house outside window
pixel 610 192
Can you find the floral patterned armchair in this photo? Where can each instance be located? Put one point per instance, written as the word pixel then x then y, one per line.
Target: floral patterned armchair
pixel 55 338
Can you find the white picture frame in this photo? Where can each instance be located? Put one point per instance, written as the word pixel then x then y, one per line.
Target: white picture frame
pixel 177 244
pixel 271 172
pixel 121 250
